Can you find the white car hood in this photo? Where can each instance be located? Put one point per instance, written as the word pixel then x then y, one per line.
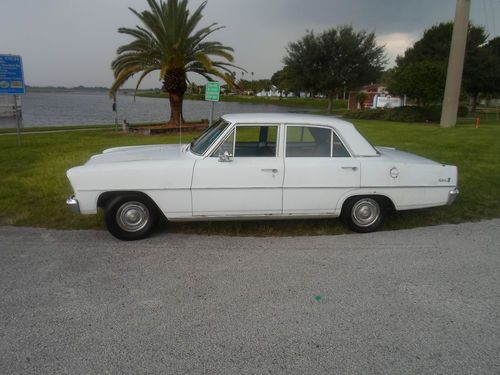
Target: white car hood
pixel 138 153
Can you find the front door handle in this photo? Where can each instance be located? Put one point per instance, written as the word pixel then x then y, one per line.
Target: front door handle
pixel 352 168
pixel 274 170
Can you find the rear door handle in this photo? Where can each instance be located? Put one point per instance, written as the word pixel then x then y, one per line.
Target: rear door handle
pixel 352 168
pixel 274 170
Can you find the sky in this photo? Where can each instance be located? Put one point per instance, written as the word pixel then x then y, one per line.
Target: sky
pixel 72 42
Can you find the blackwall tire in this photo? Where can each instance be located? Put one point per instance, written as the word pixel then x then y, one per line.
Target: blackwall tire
pixel 130 217
pixel 363 214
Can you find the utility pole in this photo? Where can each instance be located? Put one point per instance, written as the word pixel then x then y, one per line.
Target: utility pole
pixel 455 65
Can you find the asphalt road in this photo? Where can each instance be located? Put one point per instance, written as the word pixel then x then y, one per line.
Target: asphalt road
pixel 404 302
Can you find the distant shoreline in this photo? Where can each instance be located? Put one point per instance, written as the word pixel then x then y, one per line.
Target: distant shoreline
pixel 78 89
pixel 44 107
pixel 316 104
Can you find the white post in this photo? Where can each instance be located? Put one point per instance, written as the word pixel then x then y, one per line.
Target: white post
pixel 210 120
pixel 455 65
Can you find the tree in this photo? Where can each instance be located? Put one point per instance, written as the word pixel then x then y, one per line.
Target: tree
pixel 262 84
pixel 482 72
pixel 303 64
pixel 281 79
pixel 351 59
pixel 423 81
pixel 245 85
pixel 421 72
pixel 254 86
pixel 168 42
pixel 334 59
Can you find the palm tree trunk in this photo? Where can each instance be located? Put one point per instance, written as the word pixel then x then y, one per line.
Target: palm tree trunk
pixel 176 116
pixel 174 83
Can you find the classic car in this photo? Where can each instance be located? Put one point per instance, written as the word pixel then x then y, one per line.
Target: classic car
pixel 259 166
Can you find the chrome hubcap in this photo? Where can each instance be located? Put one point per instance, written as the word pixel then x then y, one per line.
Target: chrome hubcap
pixel 365 212
pixel 132 216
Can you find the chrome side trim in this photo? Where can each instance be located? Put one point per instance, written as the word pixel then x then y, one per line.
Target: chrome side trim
pixel 73 205
pixel 452 195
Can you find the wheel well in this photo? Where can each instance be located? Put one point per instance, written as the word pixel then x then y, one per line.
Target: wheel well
pixel 384 201
pixel 104 198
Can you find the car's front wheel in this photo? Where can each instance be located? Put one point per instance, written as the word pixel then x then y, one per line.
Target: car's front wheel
pixel 364 214
pixel 130 217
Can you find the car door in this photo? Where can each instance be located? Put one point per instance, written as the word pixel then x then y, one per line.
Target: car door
pixel 247 181
pixel 318 170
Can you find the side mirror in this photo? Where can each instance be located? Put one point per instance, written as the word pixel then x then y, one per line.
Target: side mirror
pixel 225 157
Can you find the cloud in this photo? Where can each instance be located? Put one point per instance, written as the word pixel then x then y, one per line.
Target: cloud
pixel 396 44
pixel 72 42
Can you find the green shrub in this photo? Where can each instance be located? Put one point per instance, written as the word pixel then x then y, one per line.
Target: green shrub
pixel 404 114
pixel 365 114
pixel 434 113
pixel 407 114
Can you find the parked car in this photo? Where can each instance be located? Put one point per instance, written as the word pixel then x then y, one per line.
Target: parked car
pixel 259 166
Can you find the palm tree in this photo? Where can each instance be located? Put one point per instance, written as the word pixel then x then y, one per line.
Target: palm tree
pixel 168 42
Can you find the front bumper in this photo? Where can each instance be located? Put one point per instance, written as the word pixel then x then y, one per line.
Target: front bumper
pixel 452 195
pixel 73 205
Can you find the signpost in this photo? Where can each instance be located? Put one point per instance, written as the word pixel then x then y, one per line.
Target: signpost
pixel 12 82
pixel 212 94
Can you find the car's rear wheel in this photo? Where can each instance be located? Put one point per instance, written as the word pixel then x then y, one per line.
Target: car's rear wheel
pixel 130 217
pixel 364 214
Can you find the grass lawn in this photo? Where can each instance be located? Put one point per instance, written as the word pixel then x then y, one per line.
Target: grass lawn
pixel 34 185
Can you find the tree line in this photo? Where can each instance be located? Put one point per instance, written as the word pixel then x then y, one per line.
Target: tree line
pixel 343 58
pixel 331 62
pixel 327 63
pixel 421 72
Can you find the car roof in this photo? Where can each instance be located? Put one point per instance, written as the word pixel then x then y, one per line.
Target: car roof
pixel 356 142
pixel 285 118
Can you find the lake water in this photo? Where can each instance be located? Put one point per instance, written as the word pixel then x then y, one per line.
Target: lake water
pixel 47 109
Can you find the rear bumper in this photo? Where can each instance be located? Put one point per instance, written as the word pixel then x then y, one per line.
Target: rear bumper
pixel 73 205
pixel 452 195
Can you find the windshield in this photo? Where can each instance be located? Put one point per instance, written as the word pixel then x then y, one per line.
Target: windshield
pixel 203 142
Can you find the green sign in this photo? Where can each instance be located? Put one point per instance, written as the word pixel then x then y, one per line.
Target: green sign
pixel 212 91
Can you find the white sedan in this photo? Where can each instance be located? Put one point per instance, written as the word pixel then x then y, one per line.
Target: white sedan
pixel 259 166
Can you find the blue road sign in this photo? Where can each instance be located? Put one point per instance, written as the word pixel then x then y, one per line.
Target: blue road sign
pixel 11 75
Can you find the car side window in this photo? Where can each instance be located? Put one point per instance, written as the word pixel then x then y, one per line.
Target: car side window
pixel 308 141
pixel 226 146
pixel 338 149
pixel 250 141
pixel 311 141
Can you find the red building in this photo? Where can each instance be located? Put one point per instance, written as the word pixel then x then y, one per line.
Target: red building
pixel 371 94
